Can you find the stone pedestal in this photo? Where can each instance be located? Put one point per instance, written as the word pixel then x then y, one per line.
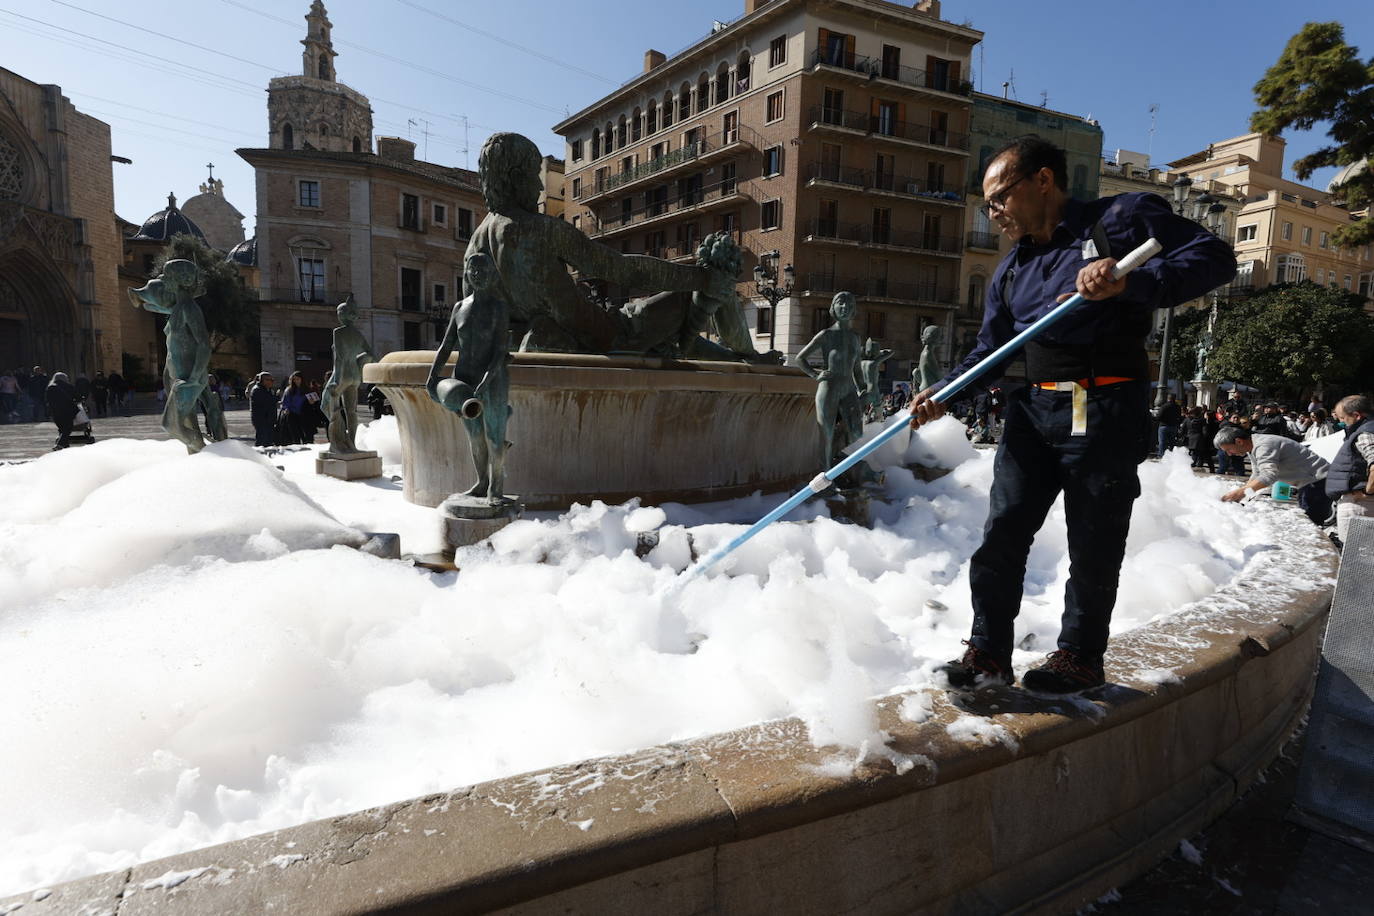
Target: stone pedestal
pixel 1206 394
pixel 350 466
pixel 469 519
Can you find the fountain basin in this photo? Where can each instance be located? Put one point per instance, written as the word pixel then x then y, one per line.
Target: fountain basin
pixel 587 427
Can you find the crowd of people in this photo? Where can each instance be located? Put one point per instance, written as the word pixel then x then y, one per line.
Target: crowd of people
pixel 23 394
pixel 291 414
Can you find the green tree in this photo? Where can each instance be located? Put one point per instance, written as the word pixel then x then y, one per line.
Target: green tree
pixel 1320 78
pixel 1291 339
pixel 229 311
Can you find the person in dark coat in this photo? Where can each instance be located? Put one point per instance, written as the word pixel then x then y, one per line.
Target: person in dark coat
pixel 60 399
pixel 118 388
pixel 38 386
pixel 1272 423
pixel 100 389
pixel 262 405
pixel 1198 434
pixel 291 429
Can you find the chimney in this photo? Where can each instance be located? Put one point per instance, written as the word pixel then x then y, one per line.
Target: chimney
pixel 930 7
pixel 752 5
pixel 396 148
pixel 653 59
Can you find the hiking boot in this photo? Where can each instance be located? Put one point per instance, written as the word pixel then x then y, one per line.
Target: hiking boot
pixel 977 668
pixel 1064 672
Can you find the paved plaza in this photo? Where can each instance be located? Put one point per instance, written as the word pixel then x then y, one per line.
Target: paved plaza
pixel 20 441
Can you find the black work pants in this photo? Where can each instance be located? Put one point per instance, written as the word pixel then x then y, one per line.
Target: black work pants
pixel 1312 499
pixel 1037 459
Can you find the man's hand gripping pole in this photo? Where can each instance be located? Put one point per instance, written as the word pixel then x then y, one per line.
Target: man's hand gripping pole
pixel 823 481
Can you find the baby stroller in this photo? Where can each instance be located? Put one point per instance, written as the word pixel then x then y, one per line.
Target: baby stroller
pixel 82 423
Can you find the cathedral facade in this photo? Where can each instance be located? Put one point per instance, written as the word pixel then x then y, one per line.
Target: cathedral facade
pixel 59 248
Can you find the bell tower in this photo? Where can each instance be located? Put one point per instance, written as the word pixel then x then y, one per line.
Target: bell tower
pixel 314 111
pixel 319 51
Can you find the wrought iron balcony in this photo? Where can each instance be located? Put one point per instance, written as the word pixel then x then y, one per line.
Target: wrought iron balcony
pixel 883 126
pixel 879 288
pixel 884 182
pixel 704 147
pixel 316 295
pixel 701 198
pixel 877 68
pixel 868 234
pixel 988 240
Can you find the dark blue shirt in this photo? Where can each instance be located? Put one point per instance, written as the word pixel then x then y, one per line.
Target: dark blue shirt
pixel 1192 262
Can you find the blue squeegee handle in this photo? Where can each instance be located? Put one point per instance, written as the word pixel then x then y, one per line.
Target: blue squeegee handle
pixel 823 481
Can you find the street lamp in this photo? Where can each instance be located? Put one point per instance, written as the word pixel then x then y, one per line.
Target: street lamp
pixel 1205 210
pixel 766 284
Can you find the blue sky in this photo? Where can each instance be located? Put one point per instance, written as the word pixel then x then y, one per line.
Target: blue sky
pixel 521 65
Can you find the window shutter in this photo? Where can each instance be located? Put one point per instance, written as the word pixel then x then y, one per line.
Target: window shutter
pixel 849 50
pixel 823 42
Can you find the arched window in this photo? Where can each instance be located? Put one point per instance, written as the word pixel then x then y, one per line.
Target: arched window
pixel 288 137
pixel 622 134
pixel 324 131
pixel 610 137
pixel 684 101
pixel 324 67
pixel 596 143
pixel 703 92
pixel 636 125
pixel 651 118
pixel 742 71
pixel 357 145
pixel 668 109
pixel 722 83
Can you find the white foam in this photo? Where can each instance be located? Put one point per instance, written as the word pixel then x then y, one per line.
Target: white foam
pixel 188 661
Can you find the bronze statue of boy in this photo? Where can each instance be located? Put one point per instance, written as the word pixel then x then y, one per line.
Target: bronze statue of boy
pixel 479 390
pixel 339 400
pixel 187 370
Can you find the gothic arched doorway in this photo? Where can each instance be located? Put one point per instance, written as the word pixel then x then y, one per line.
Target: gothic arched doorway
pixel 38 316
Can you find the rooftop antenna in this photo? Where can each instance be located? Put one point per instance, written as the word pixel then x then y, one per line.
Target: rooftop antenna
pixel 1154 111
pixel 466 162
pixel 1044 98
pixel 1010 85
pixel 982 65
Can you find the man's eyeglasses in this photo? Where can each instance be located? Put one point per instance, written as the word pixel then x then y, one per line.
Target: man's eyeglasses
pixel 998 202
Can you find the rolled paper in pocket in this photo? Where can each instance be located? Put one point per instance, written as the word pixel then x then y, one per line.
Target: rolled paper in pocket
pixel 457 396
pixel 1282 492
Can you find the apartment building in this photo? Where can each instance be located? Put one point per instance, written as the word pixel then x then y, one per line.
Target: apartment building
pixel 335 219
pixel 996 120
pixel 1283 230
pixel 831 136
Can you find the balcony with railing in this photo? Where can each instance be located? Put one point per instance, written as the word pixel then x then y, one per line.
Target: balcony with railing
pixel 866 234
pixel 700 150
pixel 876 68
pixel 826 174
pixel 305 295
pixel 880 288
pixel 984 240
pixel 826 117
pixel 702 199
